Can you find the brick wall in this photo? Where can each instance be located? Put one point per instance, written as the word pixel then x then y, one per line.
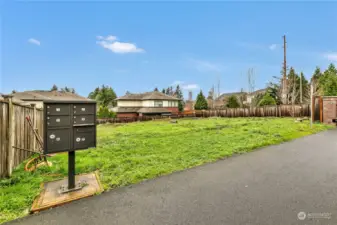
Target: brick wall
pixel 329 109
pixel 120 115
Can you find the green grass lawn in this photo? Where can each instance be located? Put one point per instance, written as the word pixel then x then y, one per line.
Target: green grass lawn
pixel 134 152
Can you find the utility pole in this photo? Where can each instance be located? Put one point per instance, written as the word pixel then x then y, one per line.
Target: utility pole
pixel 284 78
pixel 218 87
pixel 301 88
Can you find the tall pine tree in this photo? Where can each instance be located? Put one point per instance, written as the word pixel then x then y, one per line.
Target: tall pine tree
pixel 201 102
pixel 179 94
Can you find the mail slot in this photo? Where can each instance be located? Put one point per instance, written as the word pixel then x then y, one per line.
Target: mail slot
pixel 84 119
pixel 58 121
pixel 83 109
pixel 58 140
pixel 84 137
pixel 58 109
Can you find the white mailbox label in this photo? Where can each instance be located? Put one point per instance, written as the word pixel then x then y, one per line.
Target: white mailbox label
pixel 83 109
pixel 83 139
pixel 58 139
pixel 58 120
pixel 83 119
pixel 58 109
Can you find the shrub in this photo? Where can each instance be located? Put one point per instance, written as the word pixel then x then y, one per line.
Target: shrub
pixel 104 113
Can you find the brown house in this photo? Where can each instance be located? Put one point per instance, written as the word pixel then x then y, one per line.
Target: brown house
pixel 147 104
pixel 37 97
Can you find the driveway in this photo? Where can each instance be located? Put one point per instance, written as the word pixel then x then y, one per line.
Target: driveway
pixel 267 186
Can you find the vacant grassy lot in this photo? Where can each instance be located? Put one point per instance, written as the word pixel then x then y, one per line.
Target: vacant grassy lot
pixel 134 152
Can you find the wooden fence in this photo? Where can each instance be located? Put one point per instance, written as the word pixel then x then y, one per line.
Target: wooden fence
pixel 266 111
pixel 15 133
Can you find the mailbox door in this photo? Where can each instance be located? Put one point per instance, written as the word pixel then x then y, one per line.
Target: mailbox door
pixel 58 121
pixel 83 109
pixel 58 140
pixel 84 137
pixel 84 119
pixel 58 109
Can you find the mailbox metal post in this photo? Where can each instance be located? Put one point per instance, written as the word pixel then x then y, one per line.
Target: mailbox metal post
pixel 69 126
pixel 71 170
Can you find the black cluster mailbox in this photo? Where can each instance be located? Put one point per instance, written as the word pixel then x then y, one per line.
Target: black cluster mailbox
pixel 69 126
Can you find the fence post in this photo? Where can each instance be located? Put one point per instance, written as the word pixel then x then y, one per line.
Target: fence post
pixel 34 124
pixel 10 150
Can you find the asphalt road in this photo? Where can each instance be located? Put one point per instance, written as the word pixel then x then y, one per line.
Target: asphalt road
pixel 268 186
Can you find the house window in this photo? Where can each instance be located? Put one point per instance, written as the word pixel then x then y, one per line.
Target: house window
pixel 158 103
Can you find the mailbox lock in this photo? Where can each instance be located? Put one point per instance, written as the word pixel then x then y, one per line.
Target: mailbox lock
pixel 78 139
pixel 52 136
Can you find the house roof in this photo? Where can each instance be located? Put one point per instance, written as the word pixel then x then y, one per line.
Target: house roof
pixel 47 95
pixel 259 91
pixel 229 94
pixel 154 95
pixel 13 99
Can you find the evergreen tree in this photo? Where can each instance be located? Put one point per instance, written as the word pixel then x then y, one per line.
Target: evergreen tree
pixel 93 94
pixel 179 94
pixel 105 96
pixel 54 88
pixel 233 102
pixel 315 79
pixel 167 91
pixel 327 83
pixel 163 91
pixel 201 102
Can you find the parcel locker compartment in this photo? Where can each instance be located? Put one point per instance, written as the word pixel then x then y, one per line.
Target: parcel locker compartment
pixel 58 109
pixel 58 121
pixel 84 119
pixel 84 137
pixel 58 140
pixel 82 109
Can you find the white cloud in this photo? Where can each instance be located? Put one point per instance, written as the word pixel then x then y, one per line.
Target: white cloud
pixel 273 46
pixel 332 56
pixel 190 87
pixel 110 42
pixel 34 41
pixel 206 66
pixel 111 38
pixel 185 86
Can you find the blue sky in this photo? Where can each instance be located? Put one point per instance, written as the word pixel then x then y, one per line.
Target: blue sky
pixel 137 46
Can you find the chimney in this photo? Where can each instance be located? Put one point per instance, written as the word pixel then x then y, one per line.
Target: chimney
pixel 190 95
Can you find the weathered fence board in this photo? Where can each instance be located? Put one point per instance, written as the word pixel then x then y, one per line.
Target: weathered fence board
pixel 266 111
pixel 22 135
